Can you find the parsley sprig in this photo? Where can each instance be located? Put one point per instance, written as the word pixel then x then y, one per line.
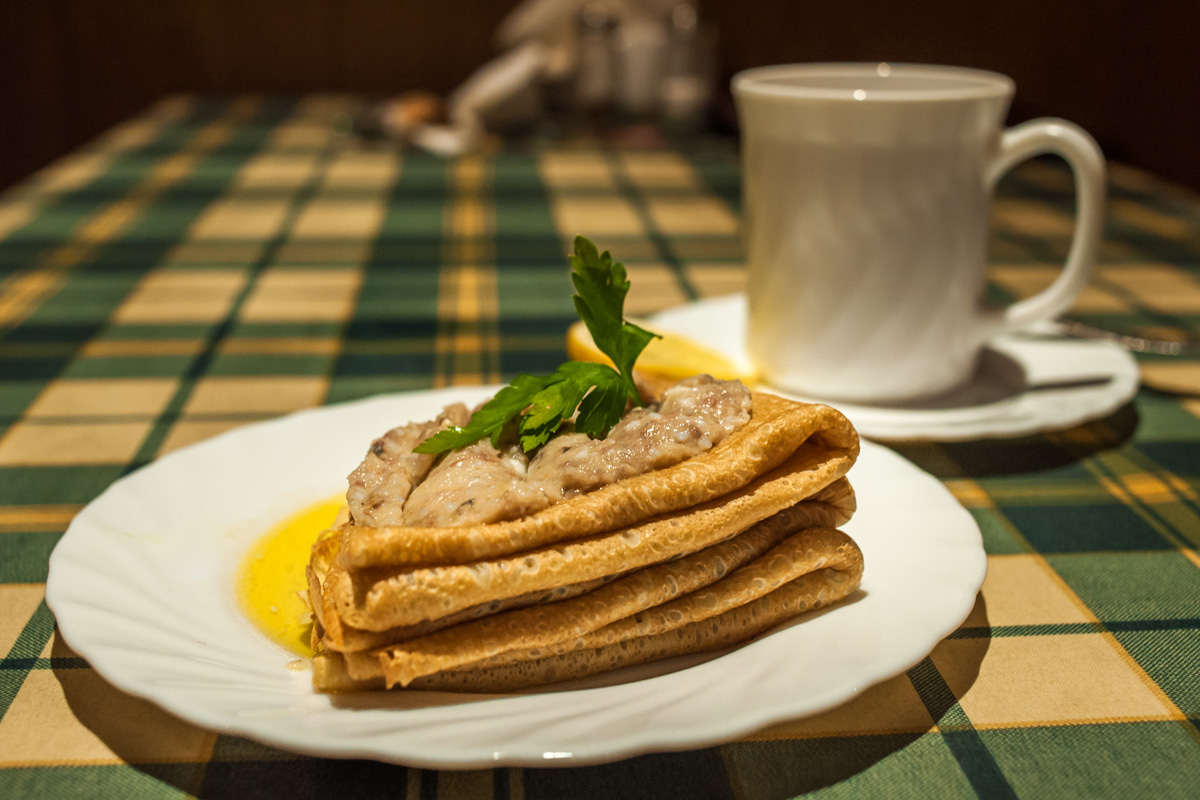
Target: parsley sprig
pixel 540 404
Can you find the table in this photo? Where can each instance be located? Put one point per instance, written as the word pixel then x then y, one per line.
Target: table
pixel 216 262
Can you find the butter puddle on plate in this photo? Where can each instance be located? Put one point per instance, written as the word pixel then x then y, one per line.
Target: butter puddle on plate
pixel 272 576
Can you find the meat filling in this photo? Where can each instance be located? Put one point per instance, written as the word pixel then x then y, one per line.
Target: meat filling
pixel 475 484
pixel 479 484
pixel 693 416
pixel 382 483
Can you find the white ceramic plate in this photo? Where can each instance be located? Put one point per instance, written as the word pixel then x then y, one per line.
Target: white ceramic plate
pixel 142 586
pixel 1024 383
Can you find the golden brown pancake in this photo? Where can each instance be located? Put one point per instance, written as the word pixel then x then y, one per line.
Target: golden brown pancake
pixel 721 617
pixel 615 576
pixel 778 429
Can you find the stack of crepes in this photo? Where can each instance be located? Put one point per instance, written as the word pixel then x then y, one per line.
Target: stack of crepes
pixel 694 557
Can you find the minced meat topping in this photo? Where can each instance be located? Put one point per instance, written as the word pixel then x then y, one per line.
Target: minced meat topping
pixel 479 484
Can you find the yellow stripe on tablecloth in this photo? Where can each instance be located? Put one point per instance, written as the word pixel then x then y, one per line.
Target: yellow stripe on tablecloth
pixel 222 253
pixel 312 345
pixel 969 493
pixel 72 716
pixel 1149 219
pixel 34 443
pixel 1066 679
pixel 467 346
pixel 1026 280
pixel 1153 489
pixel 15 214
pixel 362 170
pixel 1178 377
pixel 142 347
pixel 276 171
pixel 1191 555
pixel 1127 498
pixel 716 279
pixel 21 295
pixel 190 431
pixel 1022 589
pixel 692 216
pixel 171 295
pixel 653 288
pixel 467 296
pixel 23 291
pixel 596 217
pixel 1028 217
pixel 658 170
pixel 1157 286
pixel 73 172
pixel 103 397
pixel 582 169
pixel 1139 491
pixel 18 601
pixel 304 294
pixel 20 519
pixel 268 394
pixel 338 218
pixel 241 218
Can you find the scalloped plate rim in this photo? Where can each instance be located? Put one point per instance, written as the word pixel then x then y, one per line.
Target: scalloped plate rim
pixel 962 545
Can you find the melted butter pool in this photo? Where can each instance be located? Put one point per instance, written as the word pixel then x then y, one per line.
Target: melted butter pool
pixel 272 573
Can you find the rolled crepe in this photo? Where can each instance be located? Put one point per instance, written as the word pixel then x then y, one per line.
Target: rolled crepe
pixel 416 605
pixel 815 436
pixel 757 561
pixel 749 602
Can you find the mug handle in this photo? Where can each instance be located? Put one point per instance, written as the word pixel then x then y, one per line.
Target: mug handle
pixel 1083 155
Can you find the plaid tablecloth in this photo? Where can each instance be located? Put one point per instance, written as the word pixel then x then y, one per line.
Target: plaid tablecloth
pixel 215 263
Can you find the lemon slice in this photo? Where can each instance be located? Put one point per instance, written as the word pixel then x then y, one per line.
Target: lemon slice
pixel 669 359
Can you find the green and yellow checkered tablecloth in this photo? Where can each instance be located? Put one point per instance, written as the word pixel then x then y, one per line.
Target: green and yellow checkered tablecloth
pixel 215 263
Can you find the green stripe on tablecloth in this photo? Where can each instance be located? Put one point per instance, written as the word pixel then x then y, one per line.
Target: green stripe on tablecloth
pixel 960 735
pixel 24 555
pixel 204 361
pixel 1145 759
pixel 662 243
pixel 719 172
pixel 54 485
pixel 1133 586
pixel 852 767
pixel 525 226
pixel 94 781
pixel 388 342
pixel 89 297
pixel 1110 504
pixel 1168 656
pixel 533 272
pixel 49 663
pixel 55 220
pixel 124 367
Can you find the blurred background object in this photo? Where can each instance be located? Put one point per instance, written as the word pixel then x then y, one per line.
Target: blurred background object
pixel 72 68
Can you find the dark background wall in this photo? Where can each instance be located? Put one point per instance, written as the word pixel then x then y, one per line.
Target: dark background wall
pixel 71 68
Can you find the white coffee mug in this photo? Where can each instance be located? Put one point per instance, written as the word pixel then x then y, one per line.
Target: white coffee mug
pixel 867 189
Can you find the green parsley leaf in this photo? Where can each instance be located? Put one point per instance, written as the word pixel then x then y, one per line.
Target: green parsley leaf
pixel 489 420
pixel 540 405
pixel 600 289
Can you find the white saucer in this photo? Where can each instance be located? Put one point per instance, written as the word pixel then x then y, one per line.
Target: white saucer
pixel 1025 383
